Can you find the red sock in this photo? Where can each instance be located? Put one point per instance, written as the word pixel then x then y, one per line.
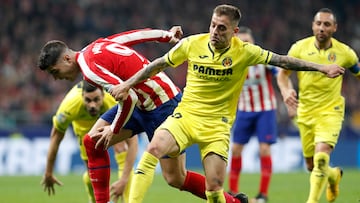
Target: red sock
pixel 234 175
pixel 99 170
pixel 266 171
pixel 194 183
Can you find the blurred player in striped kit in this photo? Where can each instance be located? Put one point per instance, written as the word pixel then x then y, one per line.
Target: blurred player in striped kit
pixel 256 115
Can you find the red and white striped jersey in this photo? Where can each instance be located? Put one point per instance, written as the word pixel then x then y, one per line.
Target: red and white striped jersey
pixel 109 61
pixel 258 93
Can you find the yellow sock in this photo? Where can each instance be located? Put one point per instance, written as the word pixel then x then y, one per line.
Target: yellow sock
pixel 120 160
pixel 318 177
pixel 88 187
pixel 143 177
pixel 332 174
pixel 215 196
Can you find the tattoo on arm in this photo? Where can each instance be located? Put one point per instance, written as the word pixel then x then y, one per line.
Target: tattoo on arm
pixel 291 63
pixel 155 67
pixel 149 70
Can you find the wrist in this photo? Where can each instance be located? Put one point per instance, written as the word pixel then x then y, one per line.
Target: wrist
pixel 322 69
pixel 124 179
pixel 283 91
pixel 48 174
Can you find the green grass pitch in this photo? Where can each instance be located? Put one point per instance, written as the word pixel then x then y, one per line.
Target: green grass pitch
pixel 285 188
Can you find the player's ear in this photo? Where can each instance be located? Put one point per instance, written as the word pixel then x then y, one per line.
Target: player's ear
pixel 236 30
pixel 67 58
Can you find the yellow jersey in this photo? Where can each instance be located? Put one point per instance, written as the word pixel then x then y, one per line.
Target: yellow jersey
pixel 316 91
pixel 72 111
pixel 214 77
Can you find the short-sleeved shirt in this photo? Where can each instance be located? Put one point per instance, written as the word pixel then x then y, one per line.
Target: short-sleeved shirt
pixel 316 91
pixel 214 77
pixel 72 111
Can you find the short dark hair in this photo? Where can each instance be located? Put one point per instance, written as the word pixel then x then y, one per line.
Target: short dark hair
pixel 328 10
pixel 245 30
pixel 231 11
pixel 50 53
pixel 88 87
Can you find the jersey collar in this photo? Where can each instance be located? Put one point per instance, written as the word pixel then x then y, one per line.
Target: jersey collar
pixel 214 51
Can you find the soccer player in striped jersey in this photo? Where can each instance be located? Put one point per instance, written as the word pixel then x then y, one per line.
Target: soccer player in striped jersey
pixel 107 62
pixel 256 115
pixel 81 107
pixel 320 106
pixel 217 69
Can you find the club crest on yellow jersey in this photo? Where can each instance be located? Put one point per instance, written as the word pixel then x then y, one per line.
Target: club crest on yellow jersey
pixel 227 61
pixel 332 57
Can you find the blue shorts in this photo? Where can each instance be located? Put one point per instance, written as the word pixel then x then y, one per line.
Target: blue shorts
pixel 145 121
pixel 262 124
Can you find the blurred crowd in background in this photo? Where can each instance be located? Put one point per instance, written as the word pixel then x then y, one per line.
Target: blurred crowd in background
pixel 29 96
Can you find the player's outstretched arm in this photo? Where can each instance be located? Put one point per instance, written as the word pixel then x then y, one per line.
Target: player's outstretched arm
pixel 49 180
pixel 120 91
pixel 133 37
pixel 291 63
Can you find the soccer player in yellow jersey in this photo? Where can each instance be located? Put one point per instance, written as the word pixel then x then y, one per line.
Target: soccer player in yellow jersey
pixel 81 107
pixel 217 68
pixel 320 106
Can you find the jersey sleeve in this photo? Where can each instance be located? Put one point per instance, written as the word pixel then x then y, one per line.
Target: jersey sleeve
pixel 124 112
pixel 178 54
pixel 294 51
pixel 67 110
pixel 353 59
pixel 61 121
pixel 134 37
pixel 257 55
pixel 353 65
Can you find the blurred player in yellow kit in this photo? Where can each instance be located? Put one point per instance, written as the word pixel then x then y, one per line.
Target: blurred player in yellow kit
pixel 81 107
pixel 320 106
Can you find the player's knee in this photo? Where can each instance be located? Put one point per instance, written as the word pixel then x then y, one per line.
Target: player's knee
pixel 214 184
pixel 236 150
pixel 88 142
pixel 172 180
pixel 155 149
pixel 236 153
pixel 265 149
